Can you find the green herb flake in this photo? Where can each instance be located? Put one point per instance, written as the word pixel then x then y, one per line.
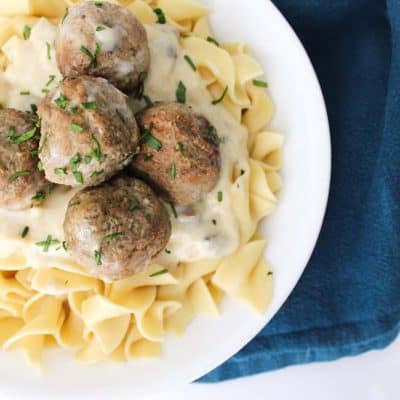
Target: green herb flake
pixel 75 162
pixel 97 257
pixel 113 236
pixel 212 136
pixel 47 243
pixel 220 196
pixel 90 105
pixel 242 172
pixel 25 93
pixel 221 98
pixel 147 100
pixel 168 251
pixel 65 15
pixel 73 110
pixel 46 91
pixel 172 171
pixel 158 273
pixel 61 101
pixel 120 116
pixel 181 93
pixel 181 149
pixel 18 139
pixel 259 83
pixel 98 3
pixel 39 196
pixel 190 62
pixel 96 151
pixel 173 209
pixel 40 166
pixel 18 174
pixel 214 221
pixel 48 50
pixel 100 28
pixel 60 171
pixel 212 40
pixel 150 140
pixel 51 80
pixel 76 128
pixel 25 232
pixel 270 273
pixel 87 159
pixel 92 56
pixel 161 19
pixel 134 205
pixel 96 174
pixel 78 176
pixel 34 108
pixel 64 245
pixel 27 32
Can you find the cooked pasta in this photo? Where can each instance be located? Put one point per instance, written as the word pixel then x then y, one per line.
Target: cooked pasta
pixel 56 304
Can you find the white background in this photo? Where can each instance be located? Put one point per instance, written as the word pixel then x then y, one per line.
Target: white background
pixel 372 376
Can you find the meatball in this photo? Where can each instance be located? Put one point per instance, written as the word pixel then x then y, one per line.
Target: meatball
pixel 88 132
pixel 116 229
pixel 20 179
pixel 103 40
pixel 179 153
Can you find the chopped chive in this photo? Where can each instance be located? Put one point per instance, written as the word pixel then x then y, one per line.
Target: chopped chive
pixel 87 159
pixel 60 171
pixel 25 93
pixel 34 152
pixel 181 93
pixel 190 62
pixel 40 166
pixel 134 205
pixel 113 236
pixel 51 79
pixel 18 139
pixel 120 116
pixel 73 110
pixel 212 40
pixel 181 149
pixel 65 15
pixel 90 105
pixel 214 221
pixel 259 83
pixel 18 174
pixel 168 251
pixel 212 136
pixel 242 172
pixel 92 57
pixel 39 196
pixel 221 98
pixel 64 245
pixel 269 273
pixel 34 108
pixel 45 90
pixel 78 176
pixel 76 128
pixel 61 101
pixel 100 28
pixel 27 32
pixel 96 174
pixel 220 196
pixel 97 257
pixel 98 3
pixel 75 161
pixel 47 243
pixel 172 171
pixel 96 151
pixel 150 140
pixel 25 232
pixel 161 272
pixel 48 50
pixel 161 19
pixel 174 212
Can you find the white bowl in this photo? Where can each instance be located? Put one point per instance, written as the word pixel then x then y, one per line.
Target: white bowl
pixel 292 231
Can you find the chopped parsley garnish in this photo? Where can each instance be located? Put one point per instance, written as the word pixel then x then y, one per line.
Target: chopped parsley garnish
pixel 90 105
pixel 96 152
pixel 47 243
pixel 45 90
pixel 98 3
pixel 173 209
pixel 270 273
pixel 27 32
pixel 259 83
pixel 61 101
pixel 181 93
pixel 25 232
pixel 147 100
pixel 75 161
pixel 181 149
pixel 65 15
pixel 134 205
pixel 120 116
pixel 220 196
pixel 40 166
pixel 100 28
pixel 97 257
pixel 242 172
pixel 150 140
pixel 168 251
pixel 96 174
pixel 190 62
pixel 51 79
pixel 73 110
pixel 91 56
pixel 64 245
pixel 48 50
pixel 87 159
pixel 113 236
pixel 39 196
pixel 60 171
pixel 18 139
pixel 25 93
pixel 212 40
pixel 34 108
pixel 214 221
pixel 148 157
pixel 161 272
pixel 221 98
pixel 161 19
pixel 18 174
pixel 78 176
pixel 172 171
pixel 76 128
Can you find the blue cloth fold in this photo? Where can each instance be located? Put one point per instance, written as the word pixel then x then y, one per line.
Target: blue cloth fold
pixel 348 299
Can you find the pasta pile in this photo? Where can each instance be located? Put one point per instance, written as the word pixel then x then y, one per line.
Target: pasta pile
pixel 120 321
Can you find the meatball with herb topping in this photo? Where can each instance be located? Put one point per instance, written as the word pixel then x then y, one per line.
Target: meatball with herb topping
pixel 20 179
pixel 106 40
pixel 88 132
pixel 179 153
pixel 116 229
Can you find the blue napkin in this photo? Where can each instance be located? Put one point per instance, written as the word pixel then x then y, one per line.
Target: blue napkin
pixel 348 300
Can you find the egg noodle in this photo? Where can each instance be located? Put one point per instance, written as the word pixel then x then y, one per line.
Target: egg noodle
pixel 128 319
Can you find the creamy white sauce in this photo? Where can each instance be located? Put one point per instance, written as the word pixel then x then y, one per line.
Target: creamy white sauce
pixel 194 235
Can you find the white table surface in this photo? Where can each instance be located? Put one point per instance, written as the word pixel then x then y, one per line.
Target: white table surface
pixel 371 376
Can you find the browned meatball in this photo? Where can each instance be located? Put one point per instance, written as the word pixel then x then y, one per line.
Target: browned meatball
pixel 114 230
pixel 88 132
pixel 103 39
pixel 179 153
pixel 20 179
